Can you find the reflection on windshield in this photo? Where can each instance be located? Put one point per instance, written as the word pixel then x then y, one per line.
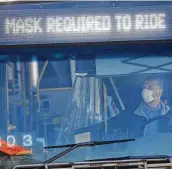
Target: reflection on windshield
pixel 84 109
pixel 112 119
pixel 57 101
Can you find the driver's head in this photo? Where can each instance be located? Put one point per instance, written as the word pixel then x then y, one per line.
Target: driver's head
pixel 152 89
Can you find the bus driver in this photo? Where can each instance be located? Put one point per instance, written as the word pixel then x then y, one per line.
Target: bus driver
pixel 152 105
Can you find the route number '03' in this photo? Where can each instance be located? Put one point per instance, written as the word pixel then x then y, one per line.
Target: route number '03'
pixel 26 140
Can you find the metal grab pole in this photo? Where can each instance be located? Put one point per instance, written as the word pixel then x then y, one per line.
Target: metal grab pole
pixel 7 97
pixel 39 80
pixel 23 94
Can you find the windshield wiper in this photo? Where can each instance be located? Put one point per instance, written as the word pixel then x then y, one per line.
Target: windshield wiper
pixel 84 144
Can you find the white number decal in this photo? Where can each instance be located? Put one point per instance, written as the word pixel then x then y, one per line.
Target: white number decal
pixel 41 140
pixel 27 140
pixel 11 141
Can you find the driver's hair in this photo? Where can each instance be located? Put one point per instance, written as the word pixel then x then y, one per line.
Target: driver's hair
pixel 157 79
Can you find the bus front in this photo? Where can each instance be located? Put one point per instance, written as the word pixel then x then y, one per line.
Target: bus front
pixel 85 84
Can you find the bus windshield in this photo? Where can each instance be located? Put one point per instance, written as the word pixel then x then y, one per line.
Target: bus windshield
pixel 67 95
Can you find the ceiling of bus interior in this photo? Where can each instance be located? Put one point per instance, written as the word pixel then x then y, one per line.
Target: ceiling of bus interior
pixel 86 51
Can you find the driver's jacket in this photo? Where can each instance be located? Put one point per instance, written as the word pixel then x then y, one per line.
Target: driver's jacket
pixel 142 114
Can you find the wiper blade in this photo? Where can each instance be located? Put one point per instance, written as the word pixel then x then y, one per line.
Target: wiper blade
pixel 134 158
pixel 84 144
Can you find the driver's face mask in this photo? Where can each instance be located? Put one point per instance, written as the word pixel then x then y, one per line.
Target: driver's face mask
pixel 147 95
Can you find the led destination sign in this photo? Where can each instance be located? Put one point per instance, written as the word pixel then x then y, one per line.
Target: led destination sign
pixel 85 24
pixel 42 26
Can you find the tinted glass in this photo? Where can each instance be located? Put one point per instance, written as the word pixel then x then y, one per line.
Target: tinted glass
pixel 89 93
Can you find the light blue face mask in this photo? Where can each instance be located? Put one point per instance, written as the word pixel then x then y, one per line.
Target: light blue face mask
pixel 147 95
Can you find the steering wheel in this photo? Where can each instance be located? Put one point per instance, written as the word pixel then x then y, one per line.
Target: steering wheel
pixel 158 118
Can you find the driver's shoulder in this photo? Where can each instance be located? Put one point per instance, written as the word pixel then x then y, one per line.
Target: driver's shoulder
pixel 138 115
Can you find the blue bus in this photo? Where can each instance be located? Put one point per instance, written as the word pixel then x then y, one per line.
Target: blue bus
pixel 85 84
